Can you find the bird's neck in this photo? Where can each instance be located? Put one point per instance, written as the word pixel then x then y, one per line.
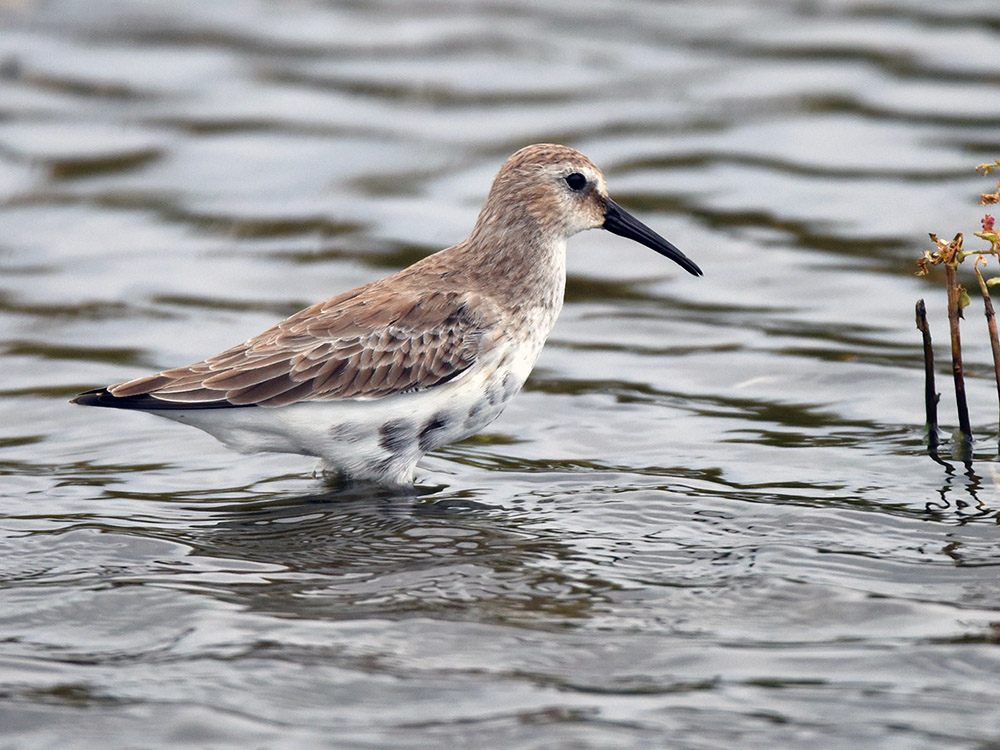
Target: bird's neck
pixel 522 265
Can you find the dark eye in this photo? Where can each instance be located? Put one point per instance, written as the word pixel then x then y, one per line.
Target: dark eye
pixel 576 181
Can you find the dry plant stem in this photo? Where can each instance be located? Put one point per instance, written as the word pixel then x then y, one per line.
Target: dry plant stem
pixel 931 396
pixel 991 323
pixel 954 312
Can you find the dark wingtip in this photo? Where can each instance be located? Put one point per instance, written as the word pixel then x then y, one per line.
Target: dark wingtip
pixel 145 402
pixel 96 397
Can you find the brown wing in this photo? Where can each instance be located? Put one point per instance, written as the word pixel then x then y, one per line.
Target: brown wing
pixel 361 344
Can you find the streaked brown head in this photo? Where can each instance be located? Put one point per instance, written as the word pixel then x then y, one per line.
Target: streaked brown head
pixel 557 191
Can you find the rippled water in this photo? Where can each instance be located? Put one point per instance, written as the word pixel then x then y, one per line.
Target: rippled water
pixel 708 522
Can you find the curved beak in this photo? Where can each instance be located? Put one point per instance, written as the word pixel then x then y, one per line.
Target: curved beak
pixel 619 221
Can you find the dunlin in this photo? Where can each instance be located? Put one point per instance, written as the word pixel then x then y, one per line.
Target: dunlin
pixel 371 380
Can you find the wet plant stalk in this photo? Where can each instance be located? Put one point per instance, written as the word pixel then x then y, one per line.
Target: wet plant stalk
pixel 954 313
pixel 991 323
pixel 931 396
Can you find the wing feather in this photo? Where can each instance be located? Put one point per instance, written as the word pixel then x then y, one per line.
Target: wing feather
pixel 359 345
pixel 246 376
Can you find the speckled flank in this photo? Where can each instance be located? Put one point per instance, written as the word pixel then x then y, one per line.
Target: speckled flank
pixel 476 412
pixel 433 430
pixel 348 432
pixel 510 386
pixel 397 435
pixel 494 392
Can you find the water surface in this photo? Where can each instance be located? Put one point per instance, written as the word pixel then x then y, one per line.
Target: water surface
pixel 709 521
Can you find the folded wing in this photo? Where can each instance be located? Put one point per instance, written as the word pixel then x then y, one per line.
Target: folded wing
pixel 348 347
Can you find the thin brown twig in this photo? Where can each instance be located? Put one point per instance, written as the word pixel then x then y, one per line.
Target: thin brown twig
pixel 991 323
pixel 954 313
pixel 931 396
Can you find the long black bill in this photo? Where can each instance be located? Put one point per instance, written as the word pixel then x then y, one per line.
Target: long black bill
pixel 619 221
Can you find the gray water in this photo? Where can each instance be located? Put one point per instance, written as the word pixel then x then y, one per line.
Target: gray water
pixel 709 521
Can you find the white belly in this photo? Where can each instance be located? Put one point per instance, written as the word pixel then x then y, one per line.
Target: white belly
pixel 376 440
